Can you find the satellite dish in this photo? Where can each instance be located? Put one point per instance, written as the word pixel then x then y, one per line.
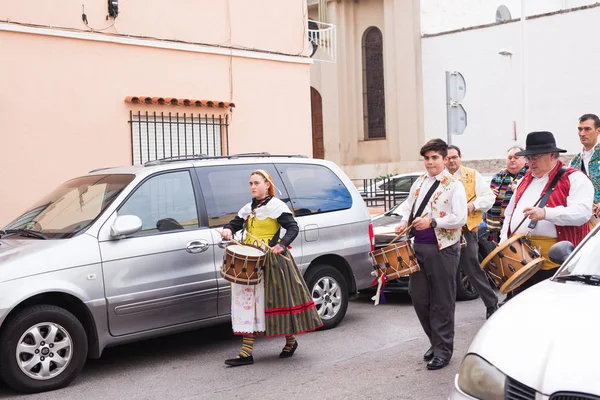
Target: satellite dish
pixel 503 14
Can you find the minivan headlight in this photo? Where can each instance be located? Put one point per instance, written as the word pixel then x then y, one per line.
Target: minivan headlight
pixel 481 379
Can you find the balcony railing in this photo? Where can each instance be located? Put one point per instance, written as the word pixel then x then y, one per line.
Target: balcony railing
pixel 322 39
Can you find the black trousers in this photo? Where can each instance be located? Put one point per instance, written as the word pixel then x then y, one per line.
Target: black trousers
pixel 469 263
pixel 433 293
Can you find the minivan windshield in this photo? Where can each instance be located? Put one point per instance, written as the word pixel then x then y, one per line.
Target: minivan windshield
pixel 71 207
pixel 586 261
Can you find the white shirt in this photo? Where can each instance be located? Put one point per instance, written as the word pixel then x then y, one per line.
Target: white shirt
pixel 455 219
pixel 577 212
pixel 586 156
pixel 485 197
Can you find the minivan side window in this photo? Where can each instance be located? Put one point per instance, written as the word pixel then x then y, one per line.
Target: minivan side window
pixel 226 189
pixel 314 189
pixel 164 202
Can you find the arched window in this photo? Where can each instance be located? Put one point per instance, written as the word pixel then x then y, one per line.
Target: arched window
pixel 373 87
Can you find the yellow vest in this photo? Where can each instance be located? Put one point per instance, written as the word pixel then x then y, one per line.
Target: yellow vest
pixel 467 177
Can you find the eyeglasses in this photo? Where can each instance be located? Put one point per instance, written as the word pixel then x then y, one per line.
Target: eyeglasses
pixel 535 157
pixel 453 158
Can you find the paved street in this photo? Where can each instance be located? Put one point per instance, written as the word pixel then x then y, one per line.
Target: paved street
pixel 375 353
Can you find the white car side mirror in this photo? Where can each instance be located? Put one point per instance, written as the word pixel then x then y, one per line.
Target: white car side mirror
pixel 125 225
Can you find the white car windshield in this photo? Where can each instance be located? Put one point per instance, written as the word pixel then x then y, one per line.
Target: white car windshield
pixel 70 208
pixel 586 261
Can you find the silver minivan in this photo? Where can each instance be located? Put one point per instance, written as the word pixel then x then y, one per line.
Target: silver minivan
pixel 124 254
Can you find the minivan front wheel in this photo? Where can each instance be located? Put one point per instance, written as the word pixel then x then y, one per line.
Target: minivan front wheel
pixel 329 291
pixel 42 348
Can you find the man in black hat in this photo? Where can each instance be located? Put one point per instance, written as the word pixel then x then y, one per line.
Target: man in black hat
pixel 555 201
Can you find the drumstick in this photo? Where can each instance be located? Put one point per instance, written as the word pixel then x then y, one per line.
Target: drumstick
pixel 257 239
pixel 524 218
pixel 405 230
pixel 269 247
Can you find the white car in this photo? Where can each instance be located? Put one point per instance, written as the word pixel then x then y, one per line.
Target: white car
pixel 543 344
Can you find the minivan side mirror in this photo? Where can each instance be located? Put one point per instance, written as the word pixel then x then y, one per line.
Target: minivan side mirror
pixel 125 225
pixel 559 252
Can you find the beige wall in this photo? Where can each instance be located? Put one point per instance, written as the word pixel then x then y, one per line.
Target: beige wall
pixel 62 110
pixel 341 87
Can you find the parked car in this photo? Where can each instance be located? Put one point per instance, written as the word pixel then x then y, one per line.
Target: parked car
pixel 397 186
pixel 542 344
pixel 386 222
pixel 124 254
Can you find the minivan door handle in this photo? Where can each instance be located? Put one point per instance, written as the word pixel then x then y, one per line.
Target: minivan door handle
pixel 197 246
pixel 224 243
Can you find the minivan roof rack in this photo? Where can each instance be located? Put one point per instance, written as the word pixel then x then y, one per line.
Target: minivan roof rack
pixel 206 157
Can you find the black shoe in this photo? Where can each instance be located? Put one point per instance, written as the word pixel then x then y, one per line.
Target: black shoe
pixel 437 363
pixel 428 354
pixel 238 361
pixel 491 310
pixel 288 354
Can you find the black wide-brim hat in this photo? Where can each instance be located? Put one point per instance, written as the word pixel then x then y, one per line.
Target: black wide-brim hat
pixel 540 143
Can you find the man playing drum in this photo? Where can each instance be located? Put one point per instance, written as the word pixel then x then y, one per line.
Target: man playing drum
pixel 588 160
pixel 479 199
pixel 437 247
pixel 503 185
pixel 564 215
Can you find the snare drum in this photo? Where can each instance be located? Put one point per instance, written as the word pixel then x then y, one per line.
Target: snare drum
pixel 513 262
pixel 243 264
pixel 395 260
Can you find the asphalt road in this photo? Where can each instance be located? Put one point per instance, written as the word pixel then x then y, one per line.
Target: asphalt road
pixel 375 353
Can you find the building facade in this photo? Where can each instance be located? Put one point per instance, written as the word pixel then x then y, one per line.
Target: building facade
pixel 542 78
pixel 367 106
pixel 86 87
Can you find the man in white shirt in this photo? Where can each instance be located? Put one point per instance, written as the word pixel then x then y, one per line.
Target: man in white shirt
pixel 588 160
pixel 480 198
pixel 437 209
pixel 568 208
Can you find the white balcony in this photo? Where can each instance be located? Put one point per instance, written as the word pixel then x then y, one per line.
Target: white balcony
pixel 322 39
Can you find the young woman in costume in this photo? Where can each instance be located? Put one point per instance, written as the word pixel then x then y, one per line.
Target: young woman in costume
pixel 280 305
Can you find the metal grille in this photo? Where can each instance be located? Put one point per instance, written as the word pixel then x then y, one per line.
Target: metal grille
pixel 517 391
pixel 573 396
pixel 373 84
pixel 156 136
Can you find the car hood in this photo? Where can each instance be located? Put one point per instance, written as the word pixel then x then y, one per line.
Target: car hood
pixel 546 338
pixel 20 257
pixel 383 225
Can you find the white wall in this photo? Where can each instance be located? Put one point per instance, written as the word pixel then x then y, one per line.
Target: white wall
pixel 446 15
pixel 561 80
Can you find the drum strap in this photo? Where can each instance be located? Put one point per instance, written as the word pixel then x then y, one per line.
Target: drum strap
pixel 423 203
pixel 548 192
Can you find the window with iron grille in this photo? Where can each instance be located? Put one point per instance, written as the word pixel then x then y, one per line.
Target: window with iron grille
pixel 156 136
pixel 373 84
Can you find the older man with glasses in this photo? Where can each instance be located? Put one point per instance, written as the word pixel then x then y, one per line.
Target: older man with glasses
pixel 503 185
pixel 554 200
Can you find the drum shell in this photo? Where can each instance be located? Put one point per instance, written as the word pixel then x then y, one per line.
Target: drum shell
pixel 241 268
pixel 395 260
pixel 513 262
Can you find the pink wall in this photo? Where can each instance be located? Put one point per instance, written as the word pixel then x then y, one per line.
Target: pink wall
pixel 62 112
pixel 274 25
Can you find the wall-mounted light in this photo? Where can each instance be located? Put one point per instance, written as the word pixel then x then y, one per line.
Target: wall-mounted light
pixel 113 8
pixel 505 52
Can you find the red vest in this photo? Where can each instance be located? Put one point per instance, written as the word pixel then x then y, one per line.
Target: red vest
pixel 558 197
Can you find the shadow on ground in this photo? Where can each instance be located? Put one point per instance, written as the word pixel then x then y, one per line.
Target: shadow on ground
pixel 128 357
